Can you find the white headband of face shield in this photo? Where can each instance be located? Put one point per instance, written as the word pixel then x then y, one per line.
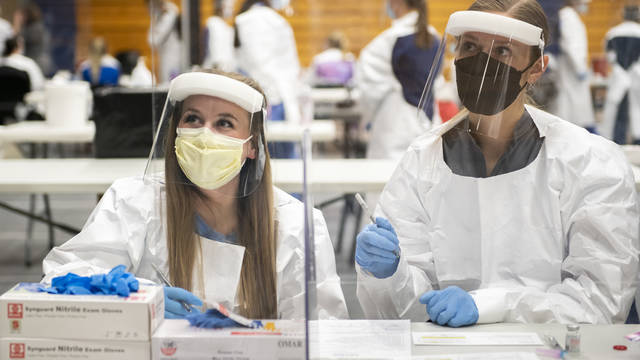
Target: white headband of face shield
pixel 220 86
pixel 461 22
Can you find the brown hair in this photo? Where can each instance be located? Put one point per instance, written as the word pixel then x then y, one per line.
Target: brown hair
pixel 217 8
pixel 337 40
pixel 423 36
pixel 528 11
pixel 257 295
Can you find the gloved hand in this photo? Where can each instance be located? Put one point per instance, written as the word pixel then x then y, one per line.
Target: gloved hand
pixel 378 249
pixel 452 307
pixel 211 319
pixel 173 309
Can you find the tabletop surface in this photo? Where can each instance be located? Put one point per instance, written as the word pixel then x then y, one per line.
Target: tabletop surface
pixel 597 341
pixel 42 132
pixel 95 175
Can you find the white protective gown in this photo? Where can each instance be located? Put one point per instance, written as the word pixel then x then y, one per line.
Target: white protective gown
pixel 163 37
pixel 124 229
pixel 21 62
pixel 394 122
pixel 620 82
pixel 220 51
pixel 574 93
pixel 268 54
pixel 556 241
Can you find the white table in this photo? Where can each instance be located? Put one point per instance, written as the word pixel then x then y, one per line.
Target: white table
pixel 332 95
pixel 95 175
pixel 597 341
pixel 320 130
pixel 42 132
pixel 55 176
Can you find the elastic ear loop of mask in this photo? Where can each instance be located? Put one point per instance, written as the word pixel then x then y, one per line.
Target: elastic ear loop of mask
pixel 541 46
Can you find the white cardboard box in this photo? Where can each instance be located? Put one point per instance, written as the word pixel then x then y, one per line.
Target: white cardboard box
pixel 27 314
pixel 279 340
pixel 25 349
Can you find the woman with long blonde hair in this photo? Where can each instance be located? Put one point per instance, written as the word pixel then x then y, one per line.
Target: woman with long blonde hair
pixel 212 220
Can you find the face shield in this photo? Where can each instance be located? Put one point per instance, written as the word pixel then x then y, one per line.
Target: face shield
pixel 210 136
pixel 492 55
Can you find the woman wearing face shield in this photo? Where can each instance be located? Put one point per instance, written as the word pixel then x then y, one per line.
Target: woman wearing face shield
pixel 505 213
pixel 206 215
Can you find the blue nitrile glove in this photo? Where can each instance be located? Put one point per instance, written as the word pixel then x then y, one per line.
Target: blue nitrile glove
pixel 378 249
pixel 452 307
pixel 211 319
pixel 173 309
pixel 116 282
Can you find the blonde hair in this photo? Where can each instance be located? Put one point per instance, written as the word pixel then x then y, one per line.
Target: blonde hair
pixel 257 294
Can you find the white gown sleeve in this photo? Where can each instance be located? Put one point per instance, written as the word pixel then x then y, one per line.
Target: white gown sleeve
pixel 601 215
pixel 291 267
pixel 114 234
pixel 331 303
pixel 397 296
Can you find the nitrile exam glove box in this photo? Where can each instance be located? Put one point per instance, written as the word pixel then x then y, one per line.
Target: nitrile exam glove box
pixel 28 314
pixel 62 349
pixel 277 340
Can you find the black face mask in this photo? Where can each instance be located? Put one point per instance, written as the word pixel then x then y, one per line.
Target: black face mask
pixel 500 88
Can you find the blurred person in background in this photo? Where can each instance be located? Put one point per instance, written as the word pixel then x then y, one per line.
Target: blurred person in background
pixel 621 118
pixel 391 73
pixel 29 25
pixel 100 69
pixel 6 31
pixel 219 51
pixel 574 92
pixel 164 38
pixel 266 51
pixel 334 65
pixel 12 57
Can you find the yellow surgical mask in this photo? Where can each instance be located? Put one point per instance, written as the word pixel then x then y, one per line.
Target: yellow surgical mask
pixel 208 159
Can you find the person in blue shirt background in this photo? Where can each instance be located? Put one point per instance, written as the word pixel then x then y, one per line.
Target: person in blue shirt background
pixel 100 69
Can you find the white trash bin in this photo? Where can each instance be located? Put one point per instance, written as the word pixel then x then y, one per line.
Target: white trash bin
pixel 67 104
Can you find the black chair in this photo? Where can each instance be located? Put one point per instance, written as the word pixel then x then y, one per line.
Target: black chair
pixel 123 119
pixel 14 84
pixel 128 60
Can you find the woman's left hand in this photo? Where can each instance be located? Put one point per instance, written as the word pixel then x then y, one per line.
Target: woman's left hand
pixel 451 307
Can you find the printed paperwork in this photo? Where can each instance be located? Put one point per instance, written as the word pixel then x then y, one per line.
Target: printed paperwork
pixel 360 339
pixel 477 338
pixel 481 356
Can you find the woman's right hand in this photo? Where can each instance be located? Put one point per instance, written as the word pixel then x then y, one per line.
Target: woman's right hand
pixel 176 300
pixel 378 249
